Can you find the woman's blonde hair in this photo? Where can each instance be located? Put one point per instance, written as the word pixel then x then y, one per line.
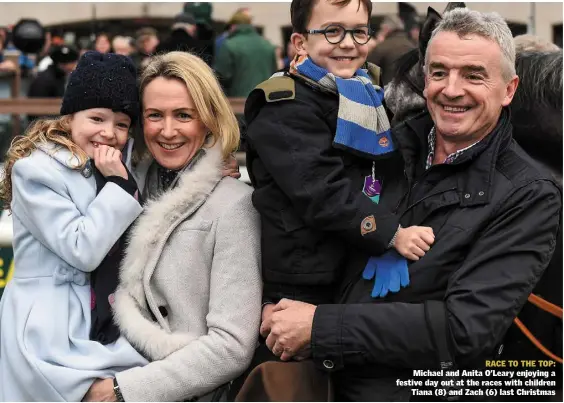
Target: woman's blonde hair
pixel 41 131
pixel 213 107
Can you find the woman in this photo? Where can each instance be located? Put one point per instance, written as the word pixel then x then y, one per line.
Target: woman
pixel 190 290
pixel 103 44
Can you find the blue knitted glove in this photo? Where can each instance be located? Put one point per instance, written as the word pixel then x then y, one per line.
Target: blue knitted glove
pixel 390 271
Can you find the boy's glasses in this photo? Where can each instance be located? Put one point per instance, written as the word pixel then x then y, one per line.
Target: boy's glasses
pixel 336 33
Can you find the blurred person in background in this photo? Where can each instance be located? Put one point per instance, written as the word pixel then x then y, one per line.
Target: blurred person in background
pixel 202 12
pixel 393 43
pixel 280 59
pixel 53 40
pixel 411 20
pixel 373 42
pixel 43 58
pixel 413 28
pixel 5 65
pixel 230 27
pixel 123 45
pixel 146 42
pixel 52 82
pixel 103 43
pixel 533 43
pixel 290 54
pixel 245 59
pixel 184 37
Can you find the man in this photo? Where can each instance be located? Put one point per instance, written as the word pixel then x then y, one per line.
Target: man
pixel 229 27
pixel 147 42
pixel 392 44
pixel 184 37
pixel 202 13
pixel 52 82
pixel 245 59
pixel 123 45
pixel 495 214
pixel 413 28
pixel 410 18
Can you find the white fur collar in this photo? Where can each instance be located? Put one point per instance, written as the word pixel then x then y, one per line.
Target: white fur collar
pixel 148 236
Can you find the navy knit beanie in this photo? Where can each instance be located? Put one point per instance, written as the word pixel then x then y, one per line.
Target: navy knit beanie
pixel 103 81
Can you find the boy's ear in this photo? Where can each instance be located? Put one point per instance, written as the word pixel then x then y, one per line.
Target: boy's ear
pixel 299 42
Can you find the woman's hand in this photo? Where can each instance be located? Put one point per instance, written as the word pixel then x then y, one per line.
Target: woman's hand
pixel 102 390
pixel 231 168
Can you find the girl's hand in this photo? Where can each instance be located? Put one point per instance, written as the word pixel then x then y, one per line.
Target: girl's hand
pixel 108 161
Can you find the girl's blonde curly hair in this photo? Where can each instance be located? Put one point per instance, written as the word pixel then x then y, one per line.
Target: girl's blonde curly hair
pixel 41 131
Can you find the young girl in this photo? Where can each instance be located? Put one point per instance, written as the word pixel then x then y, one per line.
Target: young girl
pixel 72 199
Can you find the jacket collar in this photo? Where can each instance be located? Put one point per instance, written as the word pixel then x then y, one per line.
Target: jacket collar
pixel 60 153
pixel 57 71
pixel 476 167
pixel 243 29
pixel 149 234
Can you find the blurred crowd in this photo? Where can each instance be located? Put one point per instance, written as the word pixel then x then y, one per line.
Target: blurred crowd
pixel 240 55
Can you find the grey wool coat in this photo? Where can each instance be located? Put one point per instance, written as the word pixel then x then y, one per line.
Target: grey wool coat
pixel 193 262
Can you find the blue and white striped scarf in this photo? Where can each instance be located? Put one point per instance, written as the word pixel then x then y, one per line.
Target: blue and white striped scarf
pixel 362 123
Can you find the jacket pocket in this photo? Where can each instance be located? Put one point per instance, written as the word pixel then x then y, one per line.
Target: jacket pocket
pixel 195 225
pixel 290 221
pixel 308 251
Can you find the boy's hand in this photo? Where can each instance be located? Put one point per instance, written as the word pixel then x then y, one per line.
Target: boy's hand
pixel 413 242
pixel 108 161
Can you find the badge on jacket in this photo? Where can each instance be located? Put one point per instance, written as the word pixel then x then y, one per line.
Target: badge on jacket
pixel 372 188
pixel 368 225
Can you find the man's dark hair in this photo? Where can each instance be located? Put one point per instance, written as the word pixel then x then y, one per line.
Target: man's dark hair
pixel 300 11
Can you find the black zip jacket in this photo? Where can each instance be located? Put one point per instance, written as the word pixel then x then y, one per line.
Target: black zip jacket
pixel 495 215
pixel 309 194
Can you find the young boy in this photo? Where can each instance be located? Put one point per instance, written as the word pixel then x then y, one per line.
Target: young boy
pixel 319 146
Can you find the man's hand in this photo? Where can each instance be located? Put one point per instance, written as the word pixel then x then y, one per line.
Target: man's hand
pixel 267 312
pixel 288 329
pixel 102 390
pixel 413 242
pixel 108 161
pixel 231 168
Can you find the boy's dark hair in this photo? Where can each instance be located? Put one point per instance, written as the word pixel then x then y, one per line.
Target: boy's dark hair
pixel 300 11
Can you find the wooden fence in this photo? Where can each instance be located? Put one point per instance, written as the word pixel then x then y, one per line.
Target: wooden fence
pixel 16 105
